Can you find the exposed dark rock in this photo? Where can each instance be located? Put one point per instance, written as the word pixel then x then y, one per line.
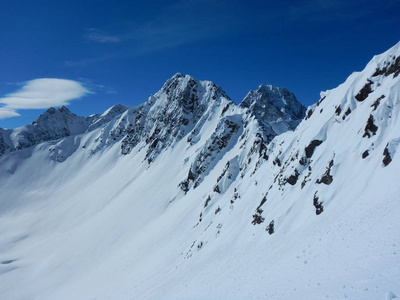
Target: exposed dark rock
pixel 184 185
pixel 346 113
pixel 327 177
pixel 365 154
pixel 225 109
pixel 200 245
pixel 364 92
pixel 277 161
pixel 390 68
pixel 235 195
pixel 226 168
pixel 184 121
pixel 303 161
pixel 377 102
pixel 338 110
pixel 387 159
pixel 394 68
pixel 320 100
pixel 271 227
pixel 190 175
pixel 292 180
pixel 309 150
pixel 263 200
pixel 309 113
pixel 370 128
pixel 154 143
pixel 262 151
pixel 257 218
pixel 317 204
pixel 207 201
pixel 217 210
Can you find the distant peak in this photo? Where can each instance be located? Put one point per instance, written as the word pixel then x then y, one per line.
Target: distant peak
pixel 265 86
pixel 50 110
pixel 268 88
pixel 64 109
pixel 52 113
pixel 115 110
pixel 178 75
pixel 270 103
pixel 61 109
pixel 187 84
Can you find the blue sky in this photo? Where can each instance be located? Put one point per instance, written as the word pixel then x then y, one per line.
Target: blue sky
pixel 90 55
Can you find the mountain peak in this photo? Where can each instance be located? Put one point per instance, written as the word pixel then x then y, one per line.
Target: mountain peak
pixel 272 104
pixel 54 114
pixel 268 87
pixel 178 75
pixel 115 110
pixel 186 89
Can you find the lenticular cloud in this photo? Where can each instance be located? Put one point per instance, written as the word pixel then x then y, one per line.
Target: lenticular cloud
pixel 41 93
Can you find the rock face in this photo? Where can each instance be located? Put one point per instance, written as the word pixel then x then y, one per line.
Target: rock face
pixel 211 184
pixel 180 107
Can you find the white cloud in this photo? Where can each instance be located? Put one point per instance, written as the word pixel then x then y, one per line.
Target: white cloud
pixel 7 113
pixel 41 93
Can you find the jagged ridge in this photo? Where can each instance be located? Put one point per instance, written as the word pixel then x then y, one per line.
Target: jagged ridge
pixel 214 192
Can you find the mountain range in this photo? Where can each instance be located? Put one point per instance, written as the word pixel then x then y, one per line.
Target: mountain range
pixel 191 196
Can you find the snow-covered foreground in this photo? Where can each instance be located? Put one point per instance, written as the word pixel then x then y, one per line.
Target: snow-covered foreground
pixel 209 208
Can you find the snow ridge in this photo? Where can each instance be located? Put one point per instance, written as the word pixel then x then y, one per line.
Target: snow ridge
pixel 152 201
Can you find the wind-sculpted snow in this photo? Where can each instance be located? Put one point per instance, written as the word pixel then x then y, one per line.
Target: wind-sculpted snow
pixel 340 121
pixel 191 196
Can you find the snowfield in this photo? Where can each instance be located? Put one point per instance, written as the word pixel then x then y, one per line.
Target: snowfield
pixel 190 196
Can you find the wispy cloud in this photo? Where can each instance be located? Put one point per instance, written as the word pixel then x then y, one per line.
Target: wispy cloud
pixel 99 36
pixel 96 87
pixel 41 93
pixel 180 23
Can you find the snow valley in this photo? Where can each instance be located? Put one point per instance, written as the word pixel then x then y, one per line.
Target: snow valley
pixel 191 196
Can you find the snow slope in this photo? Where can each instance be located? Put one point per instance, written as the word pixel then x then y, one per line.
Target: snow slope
pixel 189 196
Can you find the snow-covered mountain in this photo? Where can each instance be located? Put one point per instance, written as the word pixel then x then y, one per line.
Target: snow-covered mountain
pixel 190 196
pixel 277 108
pixel 52 125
